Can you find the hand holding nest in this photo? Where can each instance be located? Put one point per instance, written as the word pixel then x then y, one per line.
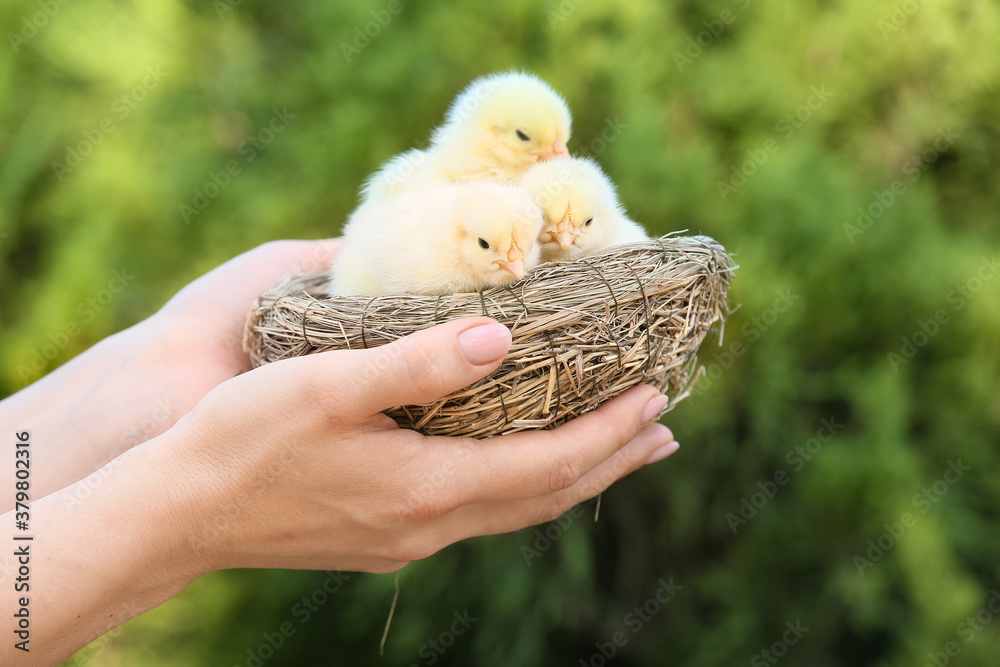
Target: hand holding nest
pixel 289 465
pixel 312 475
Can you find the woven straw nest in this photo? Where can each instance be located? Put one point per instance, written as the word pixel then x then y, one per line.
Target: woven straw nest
pixel 583 331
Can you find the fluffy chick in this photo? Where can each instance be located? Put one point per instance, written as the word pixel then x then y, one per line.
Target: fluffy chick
pixel 496 129
pixel 443 239
pixel 582 211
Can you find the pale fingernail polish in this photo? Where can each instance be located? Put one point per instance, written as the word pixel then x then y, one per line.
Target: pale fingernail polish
pixel 484 344
pixel 653 408
pixel 662 452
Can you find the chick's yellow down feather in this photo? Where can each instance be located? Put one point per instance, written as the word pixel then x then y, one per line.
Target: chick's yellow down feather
pixel 442 239
pixel 496 129
pixel 582 211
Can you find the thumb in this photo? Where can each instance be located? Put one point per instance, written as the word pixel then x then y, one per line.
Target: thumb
pixel 424 366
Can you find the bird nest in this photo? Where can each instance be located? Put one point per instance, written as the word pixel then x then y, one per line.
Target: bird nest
pixel 583 331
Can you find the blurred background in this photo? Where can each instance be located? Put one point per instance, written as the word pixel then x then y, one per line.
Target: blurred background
pixel 835 500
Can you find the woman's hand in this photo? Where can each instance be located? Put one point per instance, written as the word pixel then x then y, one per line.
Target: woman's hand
pixel 205 320
pixel 135 385
pixel 200 330
pixel 293 465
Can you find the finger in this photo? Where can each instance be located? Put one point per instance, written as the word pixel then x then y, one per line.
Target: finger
pixel 420 368
pixel 495 517
pixel 655 442
pixel 260 268
pixel 219 300
pixel 513 515
pixel 524 465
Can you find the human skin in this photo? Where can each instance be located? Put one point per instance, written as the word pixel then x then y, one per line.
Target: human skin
pixel 291 465
pixel 136 384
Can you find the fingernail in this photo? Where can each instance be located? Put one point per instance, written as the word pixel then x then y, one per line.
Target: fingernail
pixel 484 344
pixel 653 408
pixel 662 452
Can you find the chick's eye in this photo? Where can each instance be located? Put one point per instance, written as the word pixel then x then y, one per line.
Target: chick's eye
pixel 587 224
pixel 522 135
pixel 483 243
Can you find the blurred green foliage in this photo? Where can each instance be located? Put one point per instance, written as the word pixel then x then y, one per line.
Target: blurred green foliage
pixel 808 111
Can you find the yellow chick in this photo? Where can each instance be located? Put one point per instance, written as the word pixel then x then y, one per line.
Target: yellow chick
pixel 496 129
pixel 582 211
pixel 442 239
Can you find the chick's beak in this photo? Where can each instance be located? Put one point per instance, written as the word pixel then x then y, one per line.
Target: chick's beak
pixel 558 152
pixel 515 261
pixel 565 234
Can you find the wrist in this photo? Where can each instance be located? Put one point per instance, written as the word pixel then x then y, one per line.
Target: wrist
pixel 101 554
pixel 88 411
pixel 132 515
pixel 204 508
pixel 173 509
